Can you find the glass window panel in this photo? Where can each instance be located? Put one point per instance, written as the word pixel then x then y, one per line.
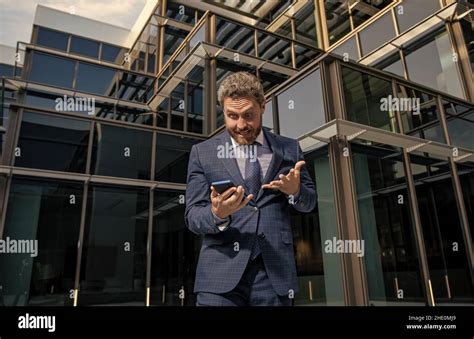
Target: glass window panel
pixel 52 39
pixel 96 79
pixel 134 115
pixel 268 115
pixel 441 72
pixel 84 47
pixel 409 12
pixel 337 19
pixel 467 27
pixel 361 11
pixel 420 114
pixel 121 152
pixel 319 271
pixel 6 70
pixel 195 107
pixel 51 70
pixel 53 143
pixel 441 226
pixel 391 258
pixel 271 79
pixel 461 127
pixel 348 49
pixel 112 53
pixel 174 252
pixel 363 96
pixel 466 176
pixel 304 55
pixel 48 212
pixel 113 266
pixel 172 156
pixel 376 34
pixel 301 107
pixel 392 64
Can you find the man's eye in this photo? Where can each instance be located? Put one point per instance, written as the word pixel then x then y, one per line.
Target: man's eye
pixel 248 115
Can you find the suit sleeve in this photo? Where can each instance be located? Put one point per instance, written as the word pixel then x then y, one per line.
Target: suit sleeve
pixel 198 214
pixel 305 199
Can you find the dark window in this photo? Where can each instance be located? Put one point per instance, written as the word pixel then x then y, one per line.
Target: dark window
pixel 301 107
pixel 53 39
pixel 112 53
pixel 441 225
pixel 84 46
pixel 234 36
pixel 420 114
pixel 391 258
pixel 466 176
pixel 6 70
pixel 180 12
pixel 114 252
pixel 50 213
pixel 363 95
pixel 174 252
pixel 461 126
pixel 121 152
pixel 392 64
pixel 95 79
pixel 53 143
pixel 172 156
pixel 51 70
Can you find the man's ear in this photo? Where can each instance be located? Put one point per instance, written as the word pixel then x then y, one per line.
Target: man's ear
pixel 263 107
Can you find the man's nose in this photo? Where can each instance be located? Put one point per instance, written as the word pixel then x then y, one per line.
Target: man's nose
pixel 241 123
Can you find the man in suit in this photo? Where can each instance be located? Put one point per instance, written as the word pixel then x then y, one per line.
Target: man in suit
pixel 247 256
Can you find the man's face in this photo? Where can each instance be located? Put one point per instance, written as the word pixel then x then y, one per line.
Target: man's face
pixel 243 118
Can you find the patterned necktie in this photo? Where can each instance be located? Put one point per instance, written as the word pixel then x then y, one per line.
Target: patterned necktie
pixel 253 181
pixel 253 171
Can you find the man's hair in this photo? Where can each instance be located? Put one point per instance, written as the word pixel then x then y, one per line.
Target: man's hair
pixel 238 85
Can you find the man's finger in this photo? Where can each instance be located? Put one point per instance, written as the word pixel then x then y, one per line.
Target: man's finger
pixel 228 193
pixel 245 201
pixel 213 192
pixel 299 164
pixel 236 198
pixel 284 178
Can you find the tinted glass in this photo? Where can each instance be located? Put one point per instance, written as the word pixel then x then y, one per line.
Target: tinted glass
pixel 84 46
pixel 121 152
pixel 411 12
pixel 95 79
pixel 111 53
pixel 174 252
pixel 172 156
pixel 391 257
pixel 114 252
pixel 301 107
pixel 363 95
pixel 441 72
pixel 48 212
pixel 51 70
pixel 376 34
pixel 53 39
pixel 53 143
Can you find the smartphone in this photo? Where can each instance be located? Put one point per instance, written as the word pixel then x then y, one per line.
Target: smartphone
pixel 222 186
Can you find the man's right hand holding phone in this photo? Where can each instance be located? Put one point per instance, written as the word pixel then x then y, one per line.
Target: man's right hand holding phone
pixel 229 202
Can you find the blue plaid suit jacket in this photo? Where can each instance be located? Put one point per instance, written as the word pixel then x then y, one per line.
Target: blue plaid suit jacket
pixel 224 255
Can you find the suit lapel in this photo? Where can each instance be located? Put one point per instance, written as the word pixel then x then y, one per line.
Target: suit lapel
pixel 275 163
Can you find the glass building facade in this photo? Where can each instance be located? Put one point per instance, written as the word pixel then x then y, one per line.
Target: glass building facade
pixel 95 140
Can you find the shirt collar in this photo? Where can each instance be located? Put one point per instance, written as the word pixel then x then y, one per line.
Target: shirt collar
pixel 260 139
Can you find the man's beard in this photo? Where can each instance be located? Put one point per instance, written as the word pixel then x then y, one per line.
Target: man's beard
pixel 248 138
